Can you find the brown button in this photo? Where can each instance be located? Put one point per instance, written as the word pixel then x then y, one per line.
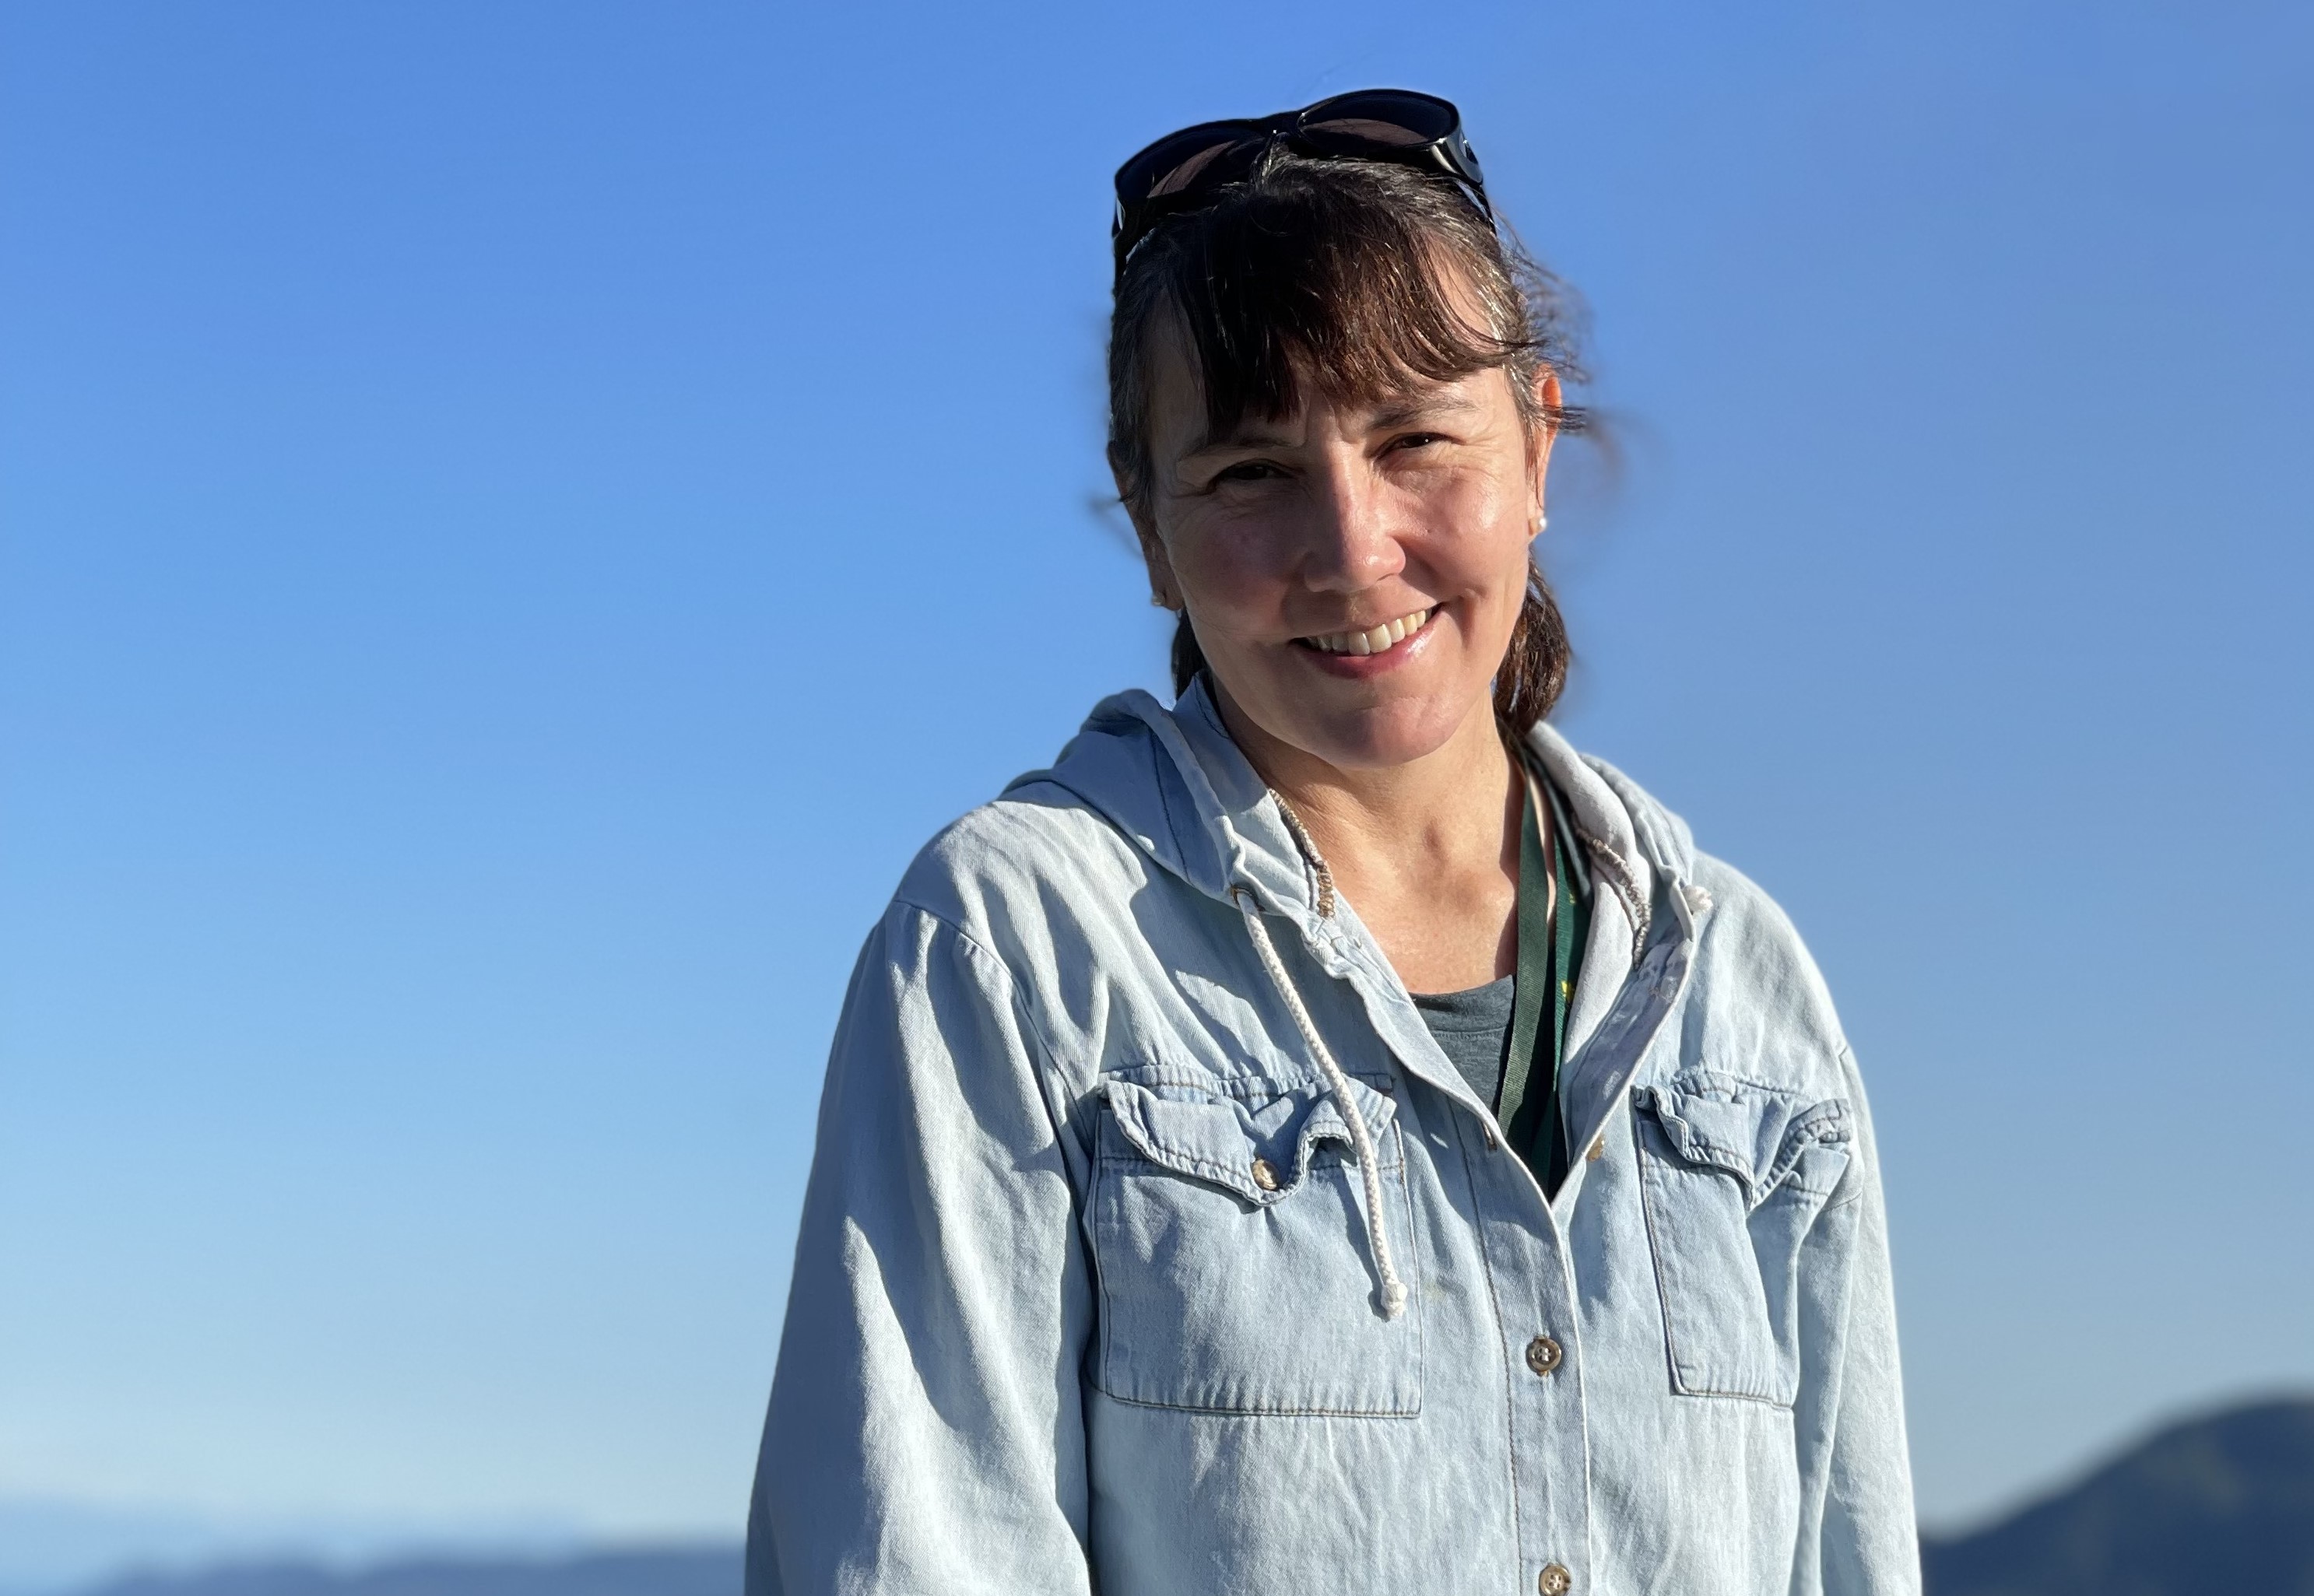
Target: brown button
pixel 1598 1149
pixel 1554 1581
pixel 1544 1354
pixel 1265 1175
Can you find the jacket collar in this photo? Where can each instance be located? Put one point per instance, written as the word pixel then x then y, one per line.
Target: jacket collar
pixel 1175 782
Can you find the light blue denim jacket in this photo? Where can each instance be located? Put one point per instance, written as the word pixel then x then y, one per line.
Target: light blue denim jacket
pixel 1100 1287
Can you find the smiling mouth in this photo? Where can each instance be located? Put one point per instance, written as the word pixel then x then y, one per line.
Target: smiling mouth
pixel 1374 640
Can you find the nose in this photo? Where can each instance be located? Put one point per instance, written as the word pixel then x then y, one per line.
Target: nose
pixel 1352 544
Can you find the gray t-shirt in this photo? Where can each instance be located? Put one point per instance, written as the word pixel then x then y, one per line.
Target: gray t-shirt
pixel 1473 1027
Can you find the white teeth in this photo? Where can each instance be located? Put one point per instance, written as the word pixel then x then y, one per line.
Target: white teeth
pixel 1389 634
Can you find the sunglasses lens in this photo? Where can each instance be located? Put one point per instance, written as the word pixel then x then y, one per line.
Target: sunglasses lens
pixel 1176 162
pixel 1355 130
pixel 1186 174
pixel 1389 118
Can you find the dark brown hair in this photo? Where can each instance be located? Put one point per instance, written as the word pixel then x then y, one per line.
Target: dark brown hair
pixel 1340 271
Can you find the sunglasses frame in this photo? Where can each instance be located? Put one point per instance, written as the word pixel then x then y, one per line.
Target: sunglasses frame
pixel 1233 147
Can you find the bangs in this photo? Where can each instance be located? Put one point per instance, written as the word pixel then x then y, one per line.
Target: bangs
pixel 1361 279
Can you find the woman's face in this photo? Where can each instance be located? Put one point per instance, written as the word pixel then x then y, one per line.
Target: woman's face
pixel 1352 570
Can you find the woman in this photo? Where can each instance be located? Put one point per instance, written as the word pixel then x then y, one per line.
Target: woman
pixel 1326 1134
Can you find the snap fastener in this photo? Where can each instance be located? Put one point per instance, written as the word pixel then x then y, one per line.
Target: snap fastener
pixel 1554 1581
pixel 1544 1354
pixel 1265 1175
pixel 1598 1149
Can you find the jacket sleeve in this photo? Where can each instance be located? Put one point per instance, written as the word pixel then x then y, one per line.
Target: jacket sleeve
pixel 925 1432
pixel 1860 1535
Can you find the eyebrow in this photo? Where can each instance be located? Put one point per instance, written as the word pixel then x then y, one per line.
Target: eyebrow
pixel 1396 411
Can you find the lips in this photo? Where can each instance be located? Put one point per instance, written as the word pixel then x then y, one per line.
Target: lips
pixel 1374 639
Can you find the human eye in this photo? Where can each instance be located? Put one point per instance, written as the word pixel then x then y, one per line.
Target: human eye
pixel 1247 470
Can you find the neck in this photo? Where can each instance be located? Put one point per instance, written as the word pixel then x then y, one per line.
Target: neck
pixel 1447 815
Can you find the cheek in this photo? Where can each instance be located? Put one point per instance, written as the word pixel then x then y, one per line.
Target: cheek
pixel 1486 551
pixel 1227 573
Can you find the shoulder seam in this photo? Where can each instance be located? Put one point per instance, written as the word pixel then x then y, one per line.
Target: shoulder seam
pixel 1047 1065
pixel 983 953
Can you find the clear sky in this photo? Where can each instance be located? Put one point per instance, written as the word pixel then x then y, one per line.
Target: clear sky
pixel 517 520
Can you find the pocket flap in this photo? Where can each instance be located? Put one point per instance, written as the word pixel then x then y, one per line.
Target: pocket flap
pixel 1754 1132
pixel 1218 1141
pixel 1326 1124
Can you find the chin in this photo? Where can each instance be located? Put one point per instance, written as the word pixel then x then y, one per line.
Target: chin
pixel 1383 736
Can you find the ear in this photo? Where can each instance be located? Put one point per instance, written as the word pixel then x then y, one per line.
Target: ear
pixel 1548 397
pixel 1164 592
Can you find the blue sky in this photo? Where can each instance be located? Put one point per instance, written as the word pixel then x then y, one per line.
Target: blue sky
pixel 516 520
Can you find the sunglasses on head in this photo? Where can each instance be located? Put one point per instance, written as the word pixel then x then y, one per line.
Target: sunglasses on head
pixel 1182 171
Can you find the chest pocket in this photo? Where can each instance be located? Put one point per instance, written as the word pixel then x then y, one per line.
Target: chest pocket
pixel 1228 1229
pixel 1734 1174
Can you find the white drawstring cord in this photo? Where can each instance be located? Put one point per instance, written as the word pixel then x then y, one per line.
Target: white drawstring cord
pixel 1394 1290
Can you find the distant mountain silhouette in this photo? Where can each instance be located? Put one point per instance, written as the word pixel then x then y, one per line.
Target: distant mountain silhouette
pixel 696 1571
pixel 2215 1506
